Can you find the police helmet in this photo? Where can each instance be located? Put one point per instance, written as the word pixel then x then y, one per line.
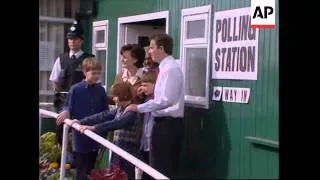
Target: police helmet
pixel 75 31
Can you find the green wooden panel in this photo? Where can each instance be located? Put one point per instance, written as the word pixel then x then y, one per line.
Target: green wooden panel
pixel 215 145
pixel 48 125
pixel 265 165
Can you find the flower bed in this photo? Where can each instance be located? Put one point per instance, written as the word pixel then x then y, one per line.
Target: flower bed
pixel 50 152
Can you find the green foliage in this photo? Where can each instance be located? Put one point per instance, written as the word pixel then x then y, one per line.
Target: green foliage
pixel 49 149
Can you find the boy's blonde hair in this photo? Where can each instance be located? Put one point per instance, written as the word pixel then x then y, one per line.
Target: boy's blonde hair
pixel 149 77
pixel 91 64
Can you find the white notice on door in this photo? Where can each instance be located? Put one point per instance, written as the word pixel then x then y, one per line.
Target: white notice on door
pixel 236 95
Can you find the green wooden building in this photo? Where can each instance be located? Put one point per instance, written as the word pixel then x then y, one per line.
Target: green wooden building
pixel 223 140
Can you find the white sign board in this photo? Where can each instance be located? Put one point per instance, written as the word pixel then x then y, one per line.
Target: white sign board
pixel 46 55
pixel 235 46
pixel 236 95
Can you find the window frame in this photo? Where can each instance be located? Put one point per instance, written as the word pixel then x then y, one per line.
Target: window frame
pixel 94 35
pixel 189 18
pixel 191 14
pixel 98 26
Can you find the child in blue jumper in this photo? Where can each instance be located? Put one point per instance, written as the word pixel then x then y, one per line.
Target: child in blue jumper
pixel 84 99
pixel 124 124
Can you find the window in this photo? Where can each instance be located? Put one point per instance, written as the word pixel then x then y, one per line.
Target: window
pixel 99 46
pixel 195 55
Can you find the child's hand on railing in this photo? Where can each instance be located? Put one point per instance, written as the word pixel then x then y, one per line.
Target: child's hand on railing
pixel 62 116
pixel 83 128
pixel 74 121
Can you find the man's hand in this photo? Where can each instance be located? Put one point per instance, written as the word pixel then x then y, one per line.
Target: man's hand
pixel 83 128
pixel 75 121
pixel 131 107
pixel 62 116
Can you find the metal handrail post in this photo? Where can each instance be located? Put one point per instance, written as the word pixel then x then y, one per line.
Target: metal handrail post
pixel 64 151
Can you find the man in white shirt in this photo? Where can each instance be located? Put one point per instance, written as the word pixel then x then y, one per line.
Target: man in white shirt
pixel 67 71
pixel 167 108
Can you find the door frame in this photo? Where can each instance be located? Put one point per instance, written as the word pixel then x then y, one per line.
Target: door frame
pixel 137 18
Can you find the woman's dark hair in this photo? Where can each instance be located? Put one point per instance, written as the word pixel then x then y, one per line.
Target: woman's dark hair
pixel 136 52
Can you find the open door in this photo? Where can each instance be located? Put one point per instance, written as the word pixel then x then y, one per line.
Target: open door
pixel 138 28
pixel 139 34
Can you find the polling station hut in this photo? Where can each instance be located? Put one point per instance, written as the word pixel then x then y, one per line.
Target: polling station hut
pixel 231 73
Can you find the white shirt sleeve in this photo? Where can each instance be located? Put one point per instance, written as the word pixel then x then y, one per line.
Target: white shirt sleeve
pixel 166 94
pixel 54 76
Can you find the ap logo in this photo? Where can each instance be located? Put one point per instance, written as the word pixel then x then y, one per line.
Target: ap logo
pixel 263 14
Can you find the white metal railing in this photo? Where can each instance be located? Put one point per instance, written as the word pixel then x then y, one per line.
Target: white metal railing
pixel 45 104
pixel 115 149
pixel 56 19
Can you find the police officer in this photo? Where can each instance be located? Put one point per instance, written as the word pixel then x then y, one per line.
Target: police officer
pixel 67 70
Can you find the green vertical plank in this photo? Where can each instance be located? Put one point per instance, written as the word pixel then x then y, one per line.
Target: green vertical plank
pixel 266 90
pixel 275 164
pixel 254 99
pixel 273 123
pixel 174 21
pixel 221 153
pixel 270 102
pixel 259 167
pixel 112 50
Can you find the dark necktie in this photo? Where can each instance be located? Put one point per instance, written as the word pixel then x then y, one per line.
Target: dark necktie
pixel 73 57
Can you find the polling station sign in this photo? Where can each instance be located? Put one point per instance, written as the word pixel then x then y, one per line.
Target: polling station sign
pixel 235 45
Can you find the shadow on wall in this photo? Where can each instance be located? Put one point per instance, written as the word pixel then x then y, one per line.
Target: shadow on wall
pixel 217 142
pixel 206 144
